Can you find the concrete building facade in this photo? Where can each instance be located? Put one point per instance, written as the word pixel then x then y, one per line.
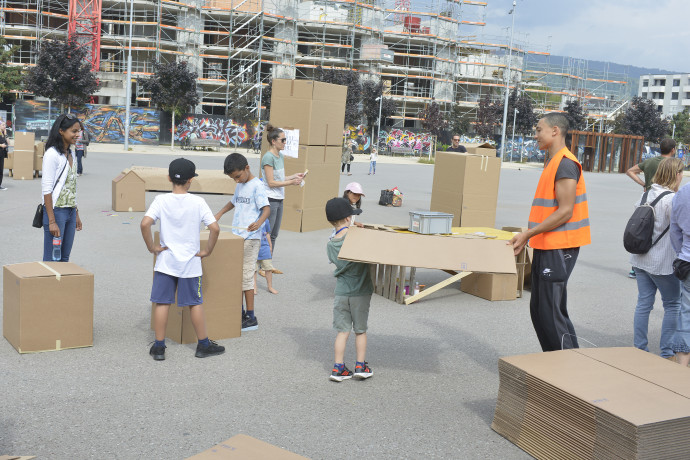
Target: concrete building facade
pixel 670 92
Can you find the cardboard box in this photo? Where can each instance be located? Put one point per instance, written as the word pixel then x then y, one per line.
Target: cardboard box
pixel 34 321
pixel 221 289
pixel 427 251
pixel 309 156
pixel 129 193
pixel 491 286
pixel 466 186
pixel 207 181
pixel 304 220
pixel 321 184
pixel 594 403
pixel 39 150
pixel 317 109
pixel 24 140
pixel 23 164
pixel 481 149
pixel 243 447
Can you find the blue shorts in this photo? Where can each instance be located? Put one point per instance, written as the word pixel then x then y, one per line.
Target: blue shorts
pixel 164 287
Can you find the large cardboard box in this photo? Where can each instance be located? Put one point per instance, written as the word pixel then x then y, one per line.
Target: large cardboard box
pixel 24 140
pixel 23 164
pixel 39 150
pixel 243 447
pixel 34 321
pixel 466 185
pixel 207 181
pixel 129 193
pixel 304 220
pixel 221 289
pixel 491 286
pixel 309 156
pixel 317 109
pixel 481 149
pixel 320 185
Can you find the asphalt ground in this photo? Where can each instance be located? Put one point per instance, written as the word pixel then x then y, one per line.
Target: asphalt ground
pixel 435 379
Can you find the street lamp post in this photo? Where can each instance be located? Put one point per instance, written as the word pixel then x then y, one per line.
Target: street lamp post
pixel 505 101
pixel 128 82
pixel 378 129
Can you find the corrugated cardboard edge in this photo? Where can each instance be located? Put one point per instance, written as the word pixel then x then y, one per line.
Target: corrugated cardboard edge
pixel 15 457
pixel 242 446
pixel 25 352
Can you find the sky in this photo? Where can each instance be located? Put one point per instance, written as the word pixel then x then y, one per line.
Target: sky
pixel 642 33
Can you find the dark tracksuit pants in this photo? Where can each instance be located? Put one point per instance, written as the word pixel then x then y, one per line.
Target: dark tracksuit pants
pixel 548 304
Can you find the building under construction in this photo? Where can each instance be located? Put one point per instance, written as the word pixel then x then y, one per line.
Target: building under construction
pixel 435 54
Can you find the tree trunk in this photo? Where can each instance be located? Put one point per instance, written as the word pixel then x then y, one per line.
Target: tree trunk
pixel 172 137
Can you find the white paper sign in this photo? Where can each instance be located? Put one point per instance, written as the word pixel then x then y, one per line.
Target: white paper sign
pixel 291 143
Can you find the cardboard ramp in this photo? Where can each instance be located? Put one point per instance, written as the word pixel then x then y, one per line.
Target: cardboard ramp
pixel 207 181
pixel 594 403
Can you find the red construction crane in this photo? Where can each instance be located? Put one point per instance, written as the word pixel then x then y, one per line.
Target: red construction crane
pixel 85 28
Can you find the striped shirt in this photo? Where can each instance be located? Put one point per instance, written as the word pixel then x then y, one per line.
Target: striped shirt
pixel 659 259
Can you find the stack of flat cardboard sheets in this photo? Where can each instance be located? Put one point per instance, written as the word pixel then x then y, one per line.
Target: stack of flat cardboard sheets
pixel 595 403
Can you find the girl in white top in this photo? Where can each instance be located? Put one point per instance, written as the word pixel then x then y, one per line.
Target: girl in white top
pixel 59 186
pixel 372 159
pixel 654 269
pixel 273 170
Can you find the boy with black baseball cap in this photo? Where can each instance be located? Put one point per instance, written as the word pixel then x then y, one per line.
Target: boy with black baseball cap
pixel 353 289
pixel 178 258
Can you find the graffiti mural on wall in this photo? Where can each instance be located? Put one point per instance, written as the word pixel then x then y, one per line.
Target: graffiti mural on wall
pixel 357 136
pixel 229 133
pixel 104 123
pixel 419 142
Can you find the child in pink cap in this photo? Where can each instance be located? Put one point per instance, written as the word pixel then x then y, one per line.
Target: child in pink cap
pixel 353 194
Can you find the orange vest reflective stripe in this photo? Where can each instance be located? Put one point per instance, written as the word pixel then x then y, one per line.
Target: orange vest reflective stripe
pixel 575 232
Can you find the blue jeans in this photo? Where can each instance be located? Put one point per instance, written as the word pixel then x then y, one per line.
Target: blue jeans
pixel 372 165
pixel 681 341
pixel 80 155
pixel 669 287
pixel 66 220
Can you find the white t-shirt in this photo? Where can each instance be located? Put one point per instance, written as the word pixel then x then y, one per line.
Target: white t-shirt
pixel 248 200
pixel 180 216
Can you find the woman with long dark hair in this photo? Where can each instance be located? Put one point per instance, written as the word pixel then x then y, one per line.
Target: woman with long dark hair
pixel 3 152
pixel 273 168
pixel 59 186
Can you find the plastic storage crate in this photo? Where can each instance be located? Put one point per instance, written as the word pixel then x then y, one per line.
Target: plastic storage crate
pixel 430 222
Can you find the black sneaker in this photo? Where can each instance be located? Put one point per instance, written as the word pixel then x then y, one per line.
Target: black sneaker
pixel 211 350
pixel 339 376
pixel 158 352
pixel 363 372
pixel 249 324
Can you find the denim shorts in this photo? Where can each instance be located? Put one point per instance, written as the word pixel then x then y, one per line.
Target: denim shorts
pixel 164 287
pixel 351 313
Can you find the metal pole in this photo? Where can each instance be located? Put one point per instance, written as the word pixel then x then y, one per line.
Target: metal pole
pixel 505 101
pixel 378 129
pixel 512 139
pixel 673 134
pixel 128 82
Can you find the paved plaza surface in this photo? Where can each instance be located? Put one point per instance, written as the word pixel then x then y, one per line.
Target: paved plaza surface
pixel 435 379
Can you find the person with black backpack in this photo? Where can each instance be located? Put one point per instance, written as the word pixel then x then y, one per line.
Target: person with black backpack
pixel 646 237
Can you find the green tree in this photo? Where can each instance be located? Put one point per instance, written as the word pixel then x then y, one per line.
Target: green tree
pixel 489 116
pixel 62 73
pixel 525 120
pixel 371 91
pixel 10 76
pixel 459 121
pixel 242 102
pixel 575 114
pixel 433 120
pixel 173 89
pixel 681 120
pixel 643 119
pixel 348 78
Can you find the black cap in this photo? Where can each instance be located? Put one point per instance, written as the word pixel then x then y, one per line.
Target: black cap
pixel 340 208
pixel 182 169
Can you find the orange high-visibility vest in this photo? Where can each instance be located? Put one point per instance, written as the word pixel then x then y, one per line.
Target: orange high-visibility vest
pixel 575 232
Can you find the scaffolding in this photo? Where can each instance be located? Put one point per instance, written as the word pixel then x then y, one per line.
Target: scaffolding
pixel 438 53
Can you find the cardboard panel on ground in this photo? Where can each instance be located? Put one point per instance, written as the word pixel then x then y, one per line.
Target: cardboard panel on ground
pixel 317 109
pixel 23 164
pixel 221 289
pixel 243 447
pixel 594 403
pixel 466 185
pixel 321 184
pixel 207 181
pixel 305 220
pixel 34 321
pixel 427 251
pixel 129 193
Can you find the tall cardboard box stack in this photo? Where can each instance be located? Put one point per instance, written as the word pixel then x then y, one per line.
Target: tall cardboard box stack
pixel 23 158
pixel 39 150
pixel 466 185
pixel 318 111
pixel 47 306
pixel 221 287
pixel 594 403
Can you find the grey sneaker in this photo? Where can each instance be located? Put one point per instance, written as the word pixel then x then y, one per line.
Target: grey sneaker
pixel 211 350
pixel 157 352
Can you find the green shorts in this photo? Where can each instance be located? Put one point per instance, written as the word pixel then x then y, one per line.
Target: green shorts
pixel 351 313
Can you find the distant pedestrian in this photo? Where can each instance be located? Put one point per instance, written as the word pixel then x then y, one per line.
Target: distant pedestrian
pixel 346 159
pixel 82 142
pixel 373 157
pixel 3 152
pixel 455 145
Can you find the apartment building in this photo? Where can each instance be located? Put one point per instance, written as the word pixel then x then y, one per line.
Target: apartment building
pixel 670 93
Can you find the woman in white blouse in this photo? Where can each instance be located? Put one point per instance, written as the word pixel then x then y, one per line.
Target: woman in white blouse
pixel 654 269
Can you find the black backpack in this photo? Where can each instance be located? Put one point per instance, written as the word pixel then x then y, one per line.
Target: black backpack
pixel 637 237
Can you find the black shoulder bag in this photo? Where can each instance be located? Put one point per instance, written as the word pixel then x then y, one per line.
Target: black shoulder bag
pixel 38 217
